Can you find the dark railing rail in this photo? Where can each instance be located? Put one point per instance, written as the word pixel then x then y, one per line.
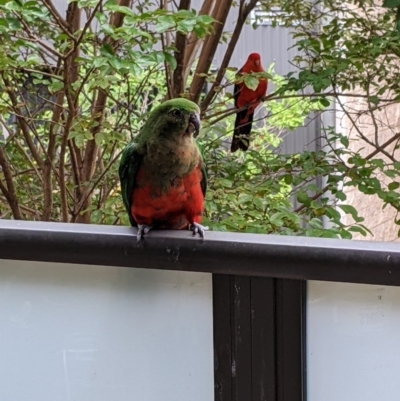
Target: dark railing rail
pixel 301 258
pixel 259 288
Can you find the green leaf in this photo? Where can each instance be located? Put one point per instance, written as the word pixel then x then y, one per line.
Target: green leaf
pixel 374 100
pixel 302 197
pixel 393 185
pixel 391 173
pixel 245 198
pixel 315 223
pixel 344 141
pixel 170 59
pixel 398 20
pixel 324 102
pixel 251 82
pixel 358 229
pixel 106 50
pixel 164 23
pixel 320 211
pixel 205 19
pixel 258 203
pixel 349 209
pixel 341 195
pixel 99 61
pixel 391 3
pixel 56 85
pixel 115 62
pixel 200 31
pixel 12 5
pixel 288 179
pixel 225 183
pixel 276 219
pixel 185 14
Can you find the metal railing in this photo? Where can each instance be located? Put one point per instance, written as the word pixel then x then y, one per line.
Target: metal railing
pixel 302 258
pixel 259 290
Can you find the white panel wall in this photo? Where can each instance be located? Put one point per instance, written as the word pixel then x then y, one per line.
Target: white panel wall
pixel 353 342
pixel 83 333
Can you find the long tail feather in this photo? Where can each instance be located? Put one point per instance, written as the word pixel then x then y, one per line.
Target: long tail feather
pixel 241 133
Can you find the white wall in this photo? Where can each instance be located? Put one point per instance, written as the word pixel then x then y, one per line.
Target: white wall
pixel 353 342
pixel 82 333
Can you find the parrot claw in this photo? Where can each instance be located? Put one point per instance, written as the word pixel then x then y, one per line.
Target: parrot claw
pixel 142 229
pixel 197 228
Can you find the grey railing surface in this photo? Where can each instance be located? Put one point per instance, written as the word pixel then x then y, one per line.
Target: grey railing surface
pixel 286 257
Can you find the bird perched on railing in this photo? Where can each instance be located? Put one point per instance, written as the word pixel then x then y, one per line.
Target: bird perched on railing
pixel 246 97
pixel 162 174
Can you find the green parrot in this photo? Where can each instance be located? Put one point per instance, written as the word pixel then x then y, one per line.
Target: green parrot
pixel 162 174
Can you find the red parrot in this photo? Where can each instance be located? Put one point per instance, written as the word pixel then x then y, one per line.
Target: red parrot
pixel 245 97
pixel 162 173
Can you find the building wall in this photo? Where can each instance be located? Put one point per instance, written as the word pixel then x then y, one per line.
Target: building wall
pixel 380 221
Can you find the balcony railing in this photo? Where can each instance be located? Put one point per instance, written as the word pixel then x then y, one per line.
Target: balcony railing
pixel 259 306
pixel 301 258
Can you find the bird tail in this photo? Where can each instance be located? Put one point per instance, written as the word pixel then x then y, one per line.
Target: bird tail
pixel 241 133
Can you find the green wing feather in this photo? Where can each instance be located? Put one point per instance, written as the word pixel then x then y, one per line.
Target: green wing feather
pixel 203 182
pixel 128 168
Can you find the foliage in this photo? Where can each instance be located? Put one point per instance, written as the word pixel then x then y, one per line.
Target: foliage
pixel 100 78
pixel 255 191
pixel 73 94
pixel 351 61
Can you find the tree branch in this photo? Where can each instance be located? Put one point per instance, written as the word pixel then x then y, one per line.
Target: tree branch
pixel 21 121
pixel 362 136
pixel 193 42
pixel 57 16
pixel 88 22
pixel 89 160
pixel 209 48
pixel 61 172
pixel 313 198
pixel 32 38
pixel 48 163
pixel 94 185
pixel 180 45
pixel 71 75
pixel 165 44
pixel 10 193
pixel 273 96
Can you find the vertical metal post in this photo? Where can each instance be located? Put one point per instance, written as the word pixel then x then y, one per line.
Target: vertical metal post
pixel 258 338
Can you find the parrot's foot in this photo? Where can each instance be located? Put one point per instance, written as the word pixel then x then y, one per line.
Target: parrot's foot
pixel 142 229
pixel 197 228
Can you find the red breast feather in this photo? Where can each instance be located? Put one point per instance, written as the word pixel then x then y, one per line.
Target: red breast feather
pixel 176 208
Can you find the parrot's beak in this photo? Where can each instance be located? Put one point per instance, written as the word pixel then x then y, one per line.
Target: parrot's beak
pixel 194 124
pixel 257 63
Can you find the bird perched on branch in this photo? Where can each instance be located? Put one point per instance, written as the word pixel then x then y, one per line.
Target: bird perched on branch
pixel 249 98
pixel 162 174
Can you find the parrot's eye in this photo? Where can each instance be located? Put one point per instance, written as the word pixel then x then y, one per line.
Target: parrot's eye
pixel 176 113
